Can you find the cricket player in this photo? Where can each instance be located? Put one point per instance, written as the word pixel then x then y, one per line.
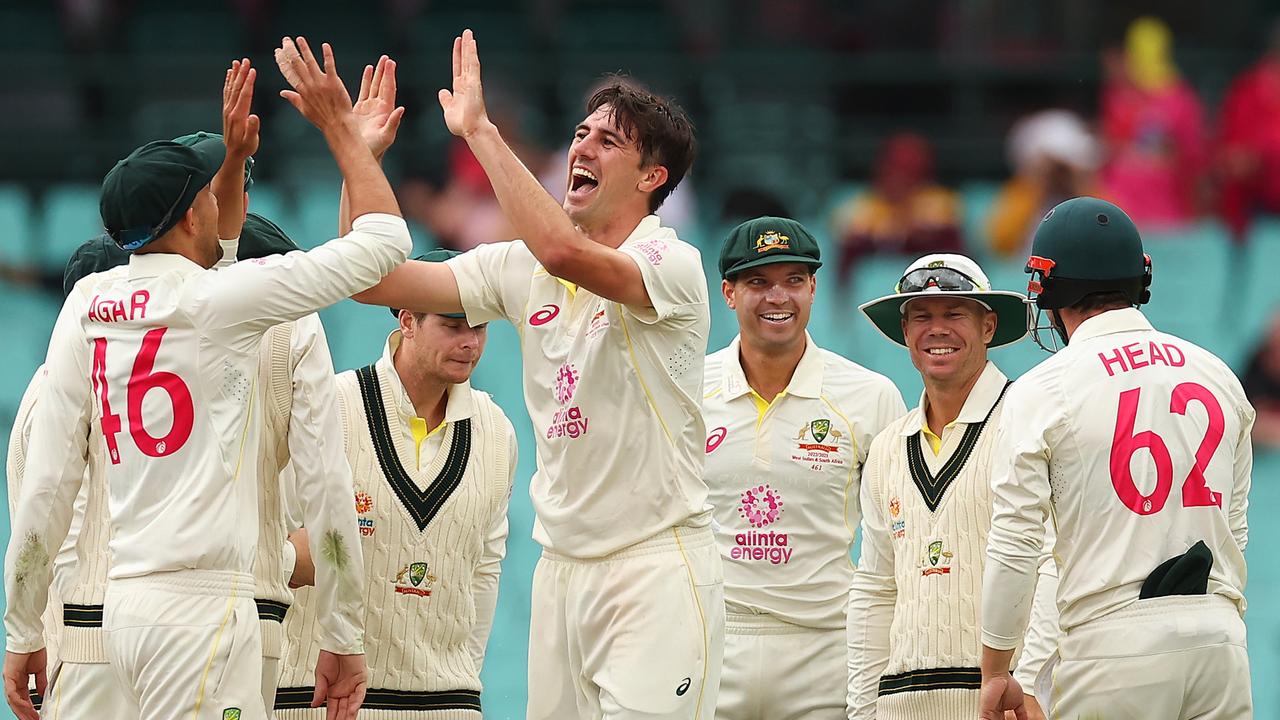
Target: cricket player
pixel 611 308
pixel 84 685
pixel 181 630
pixel 788 428
pixel 913 628
pixel 1134 444
pixel 434 462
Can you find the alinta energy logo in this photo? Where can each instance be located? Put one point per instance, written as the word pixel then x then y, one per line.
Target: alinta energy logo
pixel 761 506
pixel 567 421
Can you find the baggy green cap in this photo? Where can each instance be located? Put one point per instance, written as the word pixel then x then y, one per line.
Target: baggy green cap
pixel 765 241
pixel 149 191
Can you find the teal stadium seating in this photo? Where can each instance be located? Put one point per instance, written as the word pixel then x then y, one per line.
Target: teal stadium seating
pixel 68 216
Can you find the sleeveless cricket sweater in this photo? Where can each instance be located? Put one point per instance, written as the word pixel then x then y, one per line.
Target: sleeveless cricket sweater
pixel 939 507
pixel 422 533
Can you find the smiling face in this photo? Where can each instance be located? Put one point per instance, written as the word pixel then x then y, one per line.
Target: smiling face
pixel 948 337
pixel 439 348
pixel 606 175
pixel 772 303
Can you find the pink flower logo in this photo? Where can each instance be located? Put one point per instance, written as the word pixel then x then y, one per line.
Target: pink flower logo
pixel 566 383
pixel 761 506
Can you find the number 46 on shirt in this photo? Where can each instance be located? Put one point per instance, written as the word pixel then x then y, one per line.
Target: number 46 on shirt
pixel 1195 488
pixel 141 381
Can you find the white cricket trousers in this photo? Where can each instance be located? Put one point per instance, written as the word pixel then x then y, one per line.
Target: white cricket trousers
pixel 637 635
pixel 85 691
pixel 774 670
pixel 186 644
pixel 1172 658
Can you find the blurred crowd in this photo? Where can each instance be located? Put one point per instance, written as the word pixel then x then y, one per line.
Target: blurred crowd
pixel 1154 149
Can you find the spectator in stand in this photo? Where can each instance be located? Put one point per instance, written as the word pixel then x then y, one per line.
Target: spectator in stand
pixel 1055 158
pixel 905 212
pixel 1248 154
pixel 1153 128
pixel 1262 387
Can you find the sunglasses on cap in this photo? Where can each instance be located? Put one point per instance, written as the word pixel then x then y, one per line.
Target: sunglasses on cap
pixel 943 278
pixel 136 238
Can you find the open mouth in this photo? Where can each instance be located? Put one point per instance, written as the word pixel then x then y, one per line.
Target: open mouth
pixel 940 351
pixel 582 181
pixel 777 318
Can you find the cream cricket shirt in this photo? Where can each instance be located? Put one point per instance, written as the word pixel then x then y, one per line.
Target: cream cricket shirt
pixel 613 391
pixel 161 360
pixel 784 476
pixel 1135 444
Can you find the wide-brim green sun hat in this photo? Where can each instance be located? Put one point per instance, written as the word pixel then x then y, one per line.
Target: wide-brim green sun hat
pixel 1013 314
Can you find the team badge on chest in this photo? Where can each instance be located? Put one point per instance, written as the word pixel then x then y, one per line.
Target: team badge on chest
pixel 818 444
pixel 936 560
pixel 413 579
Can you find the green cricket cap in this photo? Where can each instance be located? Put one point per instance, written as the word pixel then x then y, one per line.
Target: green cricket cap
pixel 765 241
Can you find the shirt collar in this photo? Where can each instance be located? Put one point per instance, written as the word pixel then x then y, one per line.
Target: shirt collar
pixel 153 264
pixel 976 407
pixel 458 405
pixel 806 381
pixel 648 225
pixel 1111 321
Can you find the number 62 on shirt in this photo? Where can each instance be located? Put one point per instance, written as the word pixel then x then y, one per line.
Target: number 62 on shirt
pixel 1125 443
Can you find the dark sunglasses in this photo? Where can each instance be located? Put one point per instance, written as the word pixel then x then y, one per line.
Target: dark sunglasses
pixel 942 278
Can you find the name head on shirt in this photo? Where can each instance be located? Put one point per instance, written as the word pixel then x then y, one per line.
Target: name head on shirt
pixel 1137 355
pixel 109 309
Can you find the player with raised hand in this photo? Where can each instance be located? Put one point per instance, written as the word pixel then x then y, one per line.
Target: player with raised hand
pixel 1136 445
pixel 611 308
pixel 179 618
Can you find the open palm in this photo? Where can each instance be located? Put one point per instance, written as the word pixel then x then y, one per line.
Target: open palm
pixel 464 110
pixel 375 110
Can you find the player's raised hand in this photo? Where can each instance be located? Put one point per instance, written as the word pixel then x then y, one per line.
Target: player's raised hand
pixel 341 682
pixel 317 93
pixel 999 694
pixel 17 668
pixel 375 109
pixel 239 127
pixel 464 110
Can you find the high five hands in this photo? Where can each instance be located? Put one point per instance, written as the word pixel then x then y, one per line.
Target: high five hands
pixel 464 110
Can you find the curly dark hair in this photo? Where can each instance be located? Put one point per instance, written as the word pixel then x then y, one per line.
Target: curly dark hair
pixel 657 123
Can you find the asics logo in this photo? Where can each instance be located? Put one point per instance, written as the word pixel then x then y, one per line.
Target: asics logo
pixel 544 315
pixel 684 687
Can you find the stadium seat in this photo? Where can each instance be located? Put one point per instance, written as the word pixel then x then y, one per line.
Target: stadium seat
pixel 976 200
pixel 69 216
pixel 1190 284
pixel 17 243
pixel 31 314
pixel 269 202
pixel 317 216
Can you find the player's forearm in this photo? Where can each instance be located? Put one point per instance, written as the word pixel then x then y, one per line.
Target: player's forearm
pixel 344 205
pixel 536 216
pixel 228 188
pixel 366 185
pixel 418 286
pixel 995 662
